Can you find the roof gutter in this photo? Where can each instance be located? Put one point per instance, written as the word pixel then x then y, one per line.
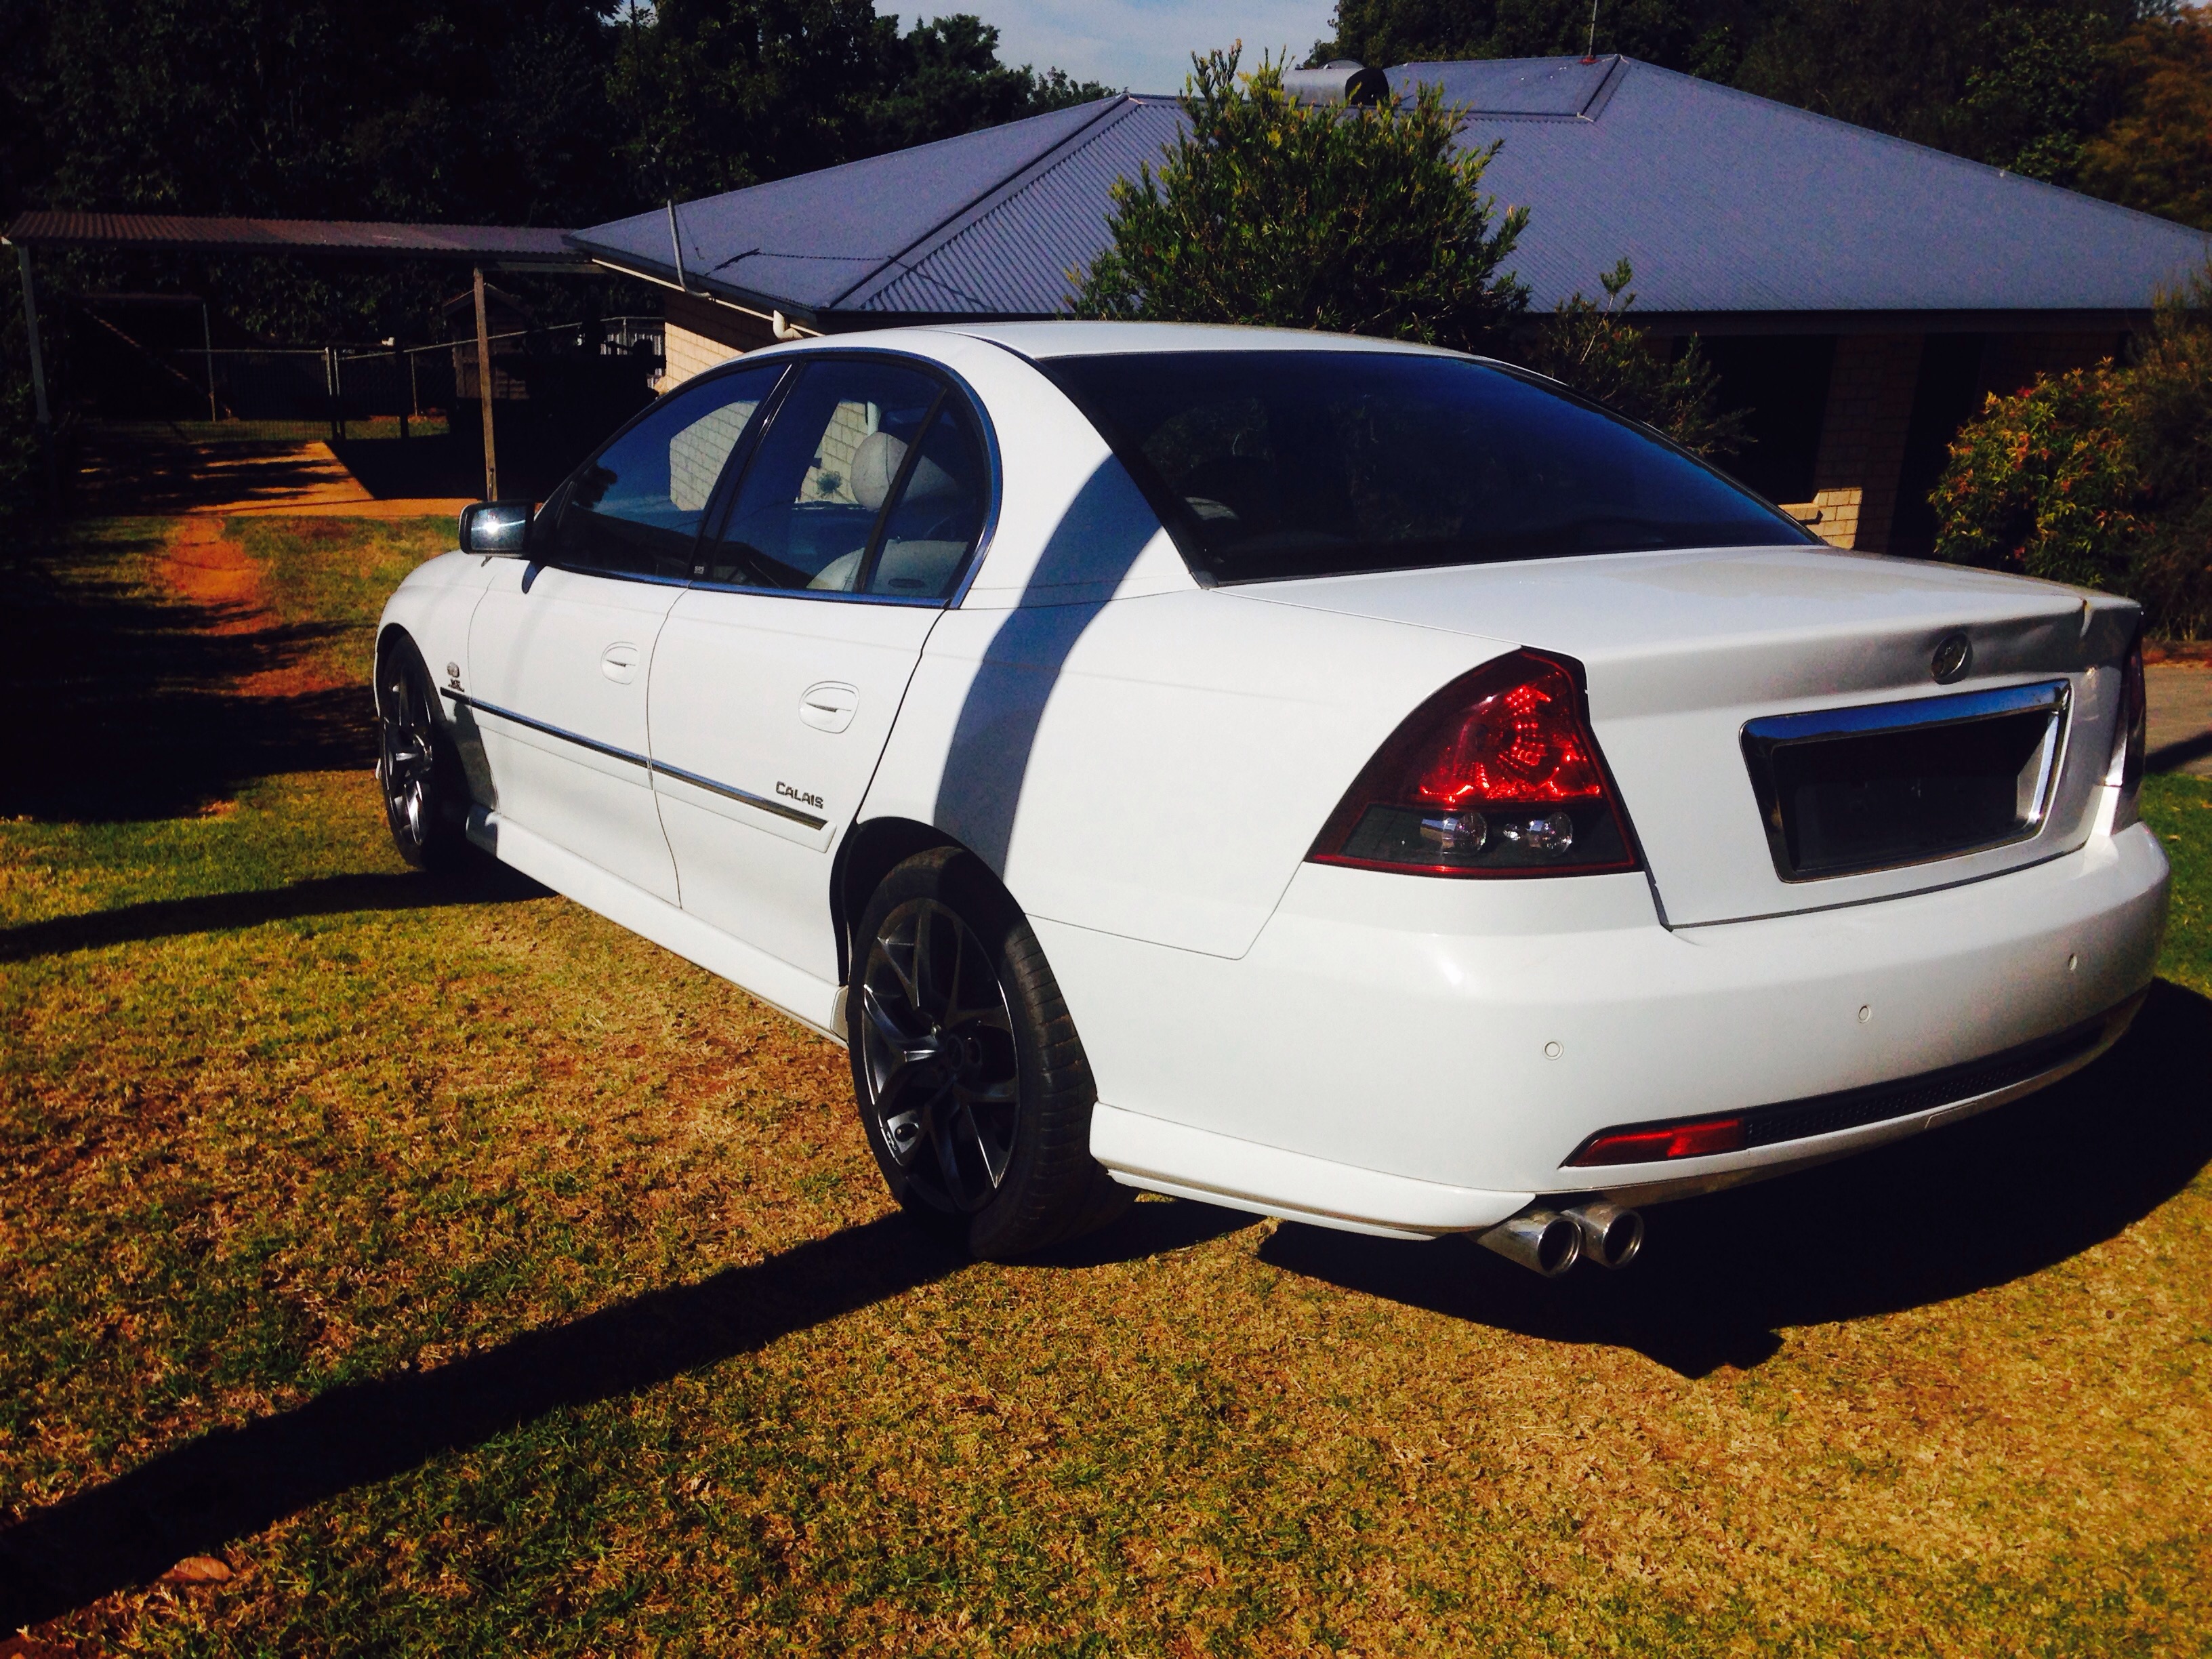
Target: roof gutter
pixel 783 325
pixel 1667 325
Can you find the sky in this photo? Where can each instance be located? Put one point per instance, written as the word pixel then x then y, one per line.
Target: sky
pixel 1142 44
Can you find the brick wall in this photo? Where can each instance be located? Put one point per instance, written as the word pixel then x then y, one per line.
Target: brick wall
pixel 1862 437
pixel 698 334
pixel 686 354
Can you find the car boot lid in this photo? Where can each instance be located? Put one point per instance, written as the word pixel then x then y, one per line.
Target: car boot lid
pixel 1685 650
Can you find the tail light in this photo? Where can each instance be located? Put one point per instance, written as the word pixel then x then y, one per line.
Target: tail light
pixel 2129 738
pixel 1496 774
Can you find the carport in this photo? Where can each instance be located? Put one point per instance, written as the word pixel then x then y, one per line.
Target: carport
pixel 481 247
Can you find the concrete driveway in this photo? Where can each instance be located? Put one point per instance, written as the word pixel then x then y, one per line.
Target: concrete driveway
pixel 2180 717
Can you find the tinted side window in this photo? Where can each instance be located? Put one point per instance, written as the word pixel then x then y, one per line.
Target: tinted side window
pixel 634 509
pixel 806 513
pixel 932 526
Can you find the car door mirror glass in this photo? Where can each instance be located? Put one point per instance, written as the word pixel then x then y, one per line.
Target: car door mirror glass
pixel 498 529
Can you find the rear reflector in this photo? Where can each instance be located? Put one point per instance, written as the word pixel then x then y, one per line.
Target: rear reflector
pixel 1496 774
pixel 1700 1140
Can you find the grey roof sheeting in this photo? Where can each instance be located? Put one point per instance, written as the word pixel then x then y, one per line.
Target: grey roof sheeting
pixel 490 245
pixel 1724 201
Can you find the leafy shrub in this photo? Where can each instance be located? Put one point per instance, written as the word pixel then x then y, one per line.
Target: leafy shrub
pixel 1267 211
pixel 1367 221
pixel 2101 477
pixel 2046 482
pixel 1594 348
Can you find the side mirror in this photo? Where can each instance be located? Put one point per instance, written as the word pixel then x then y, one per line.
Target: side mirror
pixel 499 529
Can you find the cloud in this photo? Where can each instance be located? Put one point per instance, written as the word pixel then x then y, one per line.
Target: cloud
pixel 1146 44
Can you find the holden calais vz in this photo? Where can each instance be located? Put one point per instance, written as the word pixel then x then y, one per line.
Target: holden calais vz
pixel 1352 782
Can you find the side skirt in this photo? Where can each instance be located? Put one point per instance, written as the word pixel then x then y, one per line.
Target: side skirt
pixel 816 1003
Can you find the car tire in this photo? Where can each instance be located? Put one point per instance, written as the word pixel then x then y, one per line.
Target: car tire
pixel 973 1087
pixel 418 769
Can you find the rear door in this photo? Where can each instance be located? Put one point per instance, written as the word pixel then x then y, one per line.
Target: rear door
pixel 778 675
pixel 561 648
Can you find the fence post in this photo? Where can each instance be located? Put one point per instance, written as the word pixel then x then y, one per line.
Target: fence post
pixel 39 379
pixel 207 344
pixel 483 390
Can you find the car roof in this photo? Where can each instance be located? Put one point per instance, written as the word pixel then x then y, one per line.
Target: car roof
pixel 1092 339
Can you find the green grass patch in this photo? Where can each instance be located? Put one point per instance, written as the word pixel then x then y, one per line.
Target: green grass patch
pixel 2180 810
pixel 556 1283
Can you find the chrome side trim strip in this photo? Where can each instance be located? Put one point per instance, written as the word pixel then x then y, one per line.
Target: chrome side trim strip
pixel 581 742
pixel 729 792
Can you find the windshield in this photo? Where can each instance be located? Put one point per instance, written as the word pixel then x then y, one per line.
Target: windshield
pixel 1269 464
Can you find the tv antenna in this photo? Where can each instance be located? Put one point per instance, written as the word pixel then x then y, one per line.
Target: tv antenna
pixel 1589 46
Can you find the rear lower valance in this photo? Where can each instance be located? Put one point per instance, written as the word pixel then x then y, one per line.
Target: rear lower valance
pixel 1848 1109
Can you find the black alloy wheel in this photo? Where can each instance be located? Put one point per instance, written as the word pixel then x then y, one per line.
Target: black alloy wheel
pixel 972 1084
pixel 416 767
pixel 937 1046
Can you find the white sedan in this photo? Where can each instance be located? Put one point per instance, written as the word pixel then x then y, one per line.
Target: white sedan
pixel 1348 781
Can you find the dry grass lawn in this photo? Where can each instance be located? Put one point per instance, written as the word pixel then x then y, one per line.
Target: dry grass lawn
pixel 397 1266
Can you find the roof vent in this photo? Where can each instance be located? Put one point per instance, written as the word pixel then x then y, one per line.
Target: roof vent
pixel 1344 81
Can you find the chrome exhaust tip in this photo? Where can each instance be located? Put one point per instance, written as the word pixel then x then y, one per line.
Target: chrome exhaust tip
pixel 1542 1241
pixel 1611 1236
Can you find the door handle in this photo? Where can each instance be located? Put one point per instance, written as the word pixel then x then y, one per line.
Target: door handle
pixel 619 662
pixel 829 705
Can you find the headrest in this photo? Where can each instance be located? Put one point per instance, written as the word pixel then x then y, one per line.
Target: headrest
pixel 876 464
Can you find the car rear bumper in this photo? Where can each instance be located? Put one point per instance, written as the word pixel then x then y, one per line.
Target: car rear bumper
pixel 1467 1037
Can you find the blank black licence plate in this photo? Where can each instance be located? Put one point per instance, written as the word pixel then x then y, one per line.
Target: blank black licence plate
pixel 1845 790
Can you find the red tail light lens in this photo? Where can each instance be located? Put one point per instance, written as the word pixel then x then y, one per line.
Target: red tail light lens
pixel 1700 1139
pixel 2130 739
pixel 1496 774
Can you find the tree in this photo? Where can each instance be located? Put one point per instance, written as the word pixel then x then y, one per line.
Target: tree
pixel 455 110
pixel 1364 221
pixel 1594 348
pixel 2022 84
pixel 716 95
pixel 2157 152
pixel 946 79
pixel 1703 37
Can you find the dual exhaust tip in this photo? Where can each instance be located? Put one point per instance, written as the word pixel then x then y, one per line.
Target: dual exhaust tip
pixel 1549 1242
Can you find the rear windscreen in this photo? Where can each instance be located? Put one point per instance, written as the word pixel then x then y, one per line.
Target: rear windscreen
pixel 1277 464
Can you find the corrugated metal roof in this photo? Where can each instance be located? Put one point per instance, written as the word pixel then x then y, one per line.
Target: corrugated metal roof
pixel 1725 203
pixel 1014 253
pixel 505 244
pixel 802 244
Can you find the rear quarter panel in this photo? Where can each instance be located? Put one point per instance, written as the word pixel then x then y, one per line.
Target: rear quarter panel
pixel 1156 766
pixel 1131 752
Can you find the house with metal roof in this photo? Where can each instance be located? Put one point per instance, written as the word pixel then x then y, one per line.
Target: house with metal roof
pixel 1858 295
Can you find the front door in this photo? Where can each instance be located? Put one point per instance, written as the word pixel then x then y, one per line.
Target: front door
pixel 779 673
pixel 561 648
